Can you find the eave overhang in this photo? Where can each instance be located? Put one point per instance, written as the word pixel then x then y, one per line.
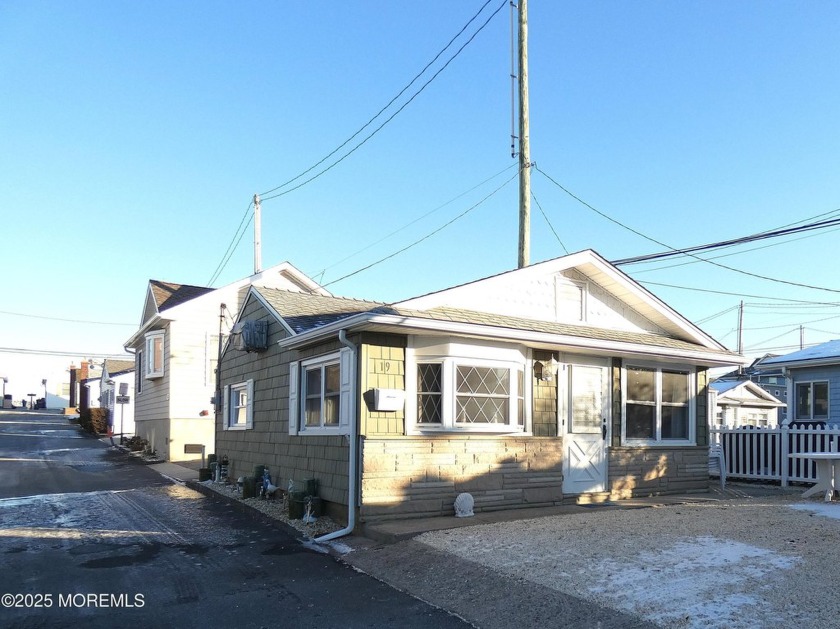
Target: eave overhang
pixel 399 324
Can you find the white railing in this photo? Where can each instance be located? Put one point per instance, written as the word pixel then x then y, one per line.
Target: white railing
pixel 764 453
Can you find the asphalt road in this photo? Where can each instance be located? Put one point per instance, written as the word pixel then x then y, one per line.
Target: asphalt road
pixel 88 535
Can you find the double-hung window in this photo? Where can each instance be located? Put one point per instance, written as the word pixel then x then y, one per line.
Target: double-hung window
pixel 657 408
pixel 811 401
pixel 239 406
pixel 154 354
pixel 321 394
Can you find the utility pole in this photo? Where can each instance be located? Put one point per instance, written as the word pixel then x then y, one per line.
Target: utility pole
pixel 257 235
pixel 741 332
pixel 801 337
pixel 524 142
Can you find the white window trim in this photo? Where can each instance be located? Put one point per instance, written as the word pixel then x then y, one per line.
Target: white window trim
pixel 692 404
pixel 149 372
pixel 345 359
pixel 811 383
pixel 449 366
pixel 227 411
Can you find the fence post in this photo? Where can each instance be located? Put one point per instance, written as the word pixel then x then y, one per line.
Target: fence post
pixel 785 451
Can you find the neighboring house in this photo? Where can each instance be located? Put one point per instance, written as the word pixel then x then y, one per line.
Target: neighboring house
pixel 769 378
pixel 744 403
pixel 117 386
pixel 564 380
pixel 813 383
pixel 79 393
pixel 176 350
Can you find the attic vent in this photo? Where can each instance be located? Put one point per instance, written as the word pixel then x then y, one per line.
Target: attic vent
pixel 250 336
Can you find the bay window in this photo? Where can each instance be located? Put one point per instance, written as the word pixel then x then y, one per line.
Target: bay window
pixel 454 393
pixel 154 354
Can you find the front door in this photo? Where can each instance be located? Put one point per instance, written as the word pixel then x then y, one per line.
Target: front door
pixel 583 395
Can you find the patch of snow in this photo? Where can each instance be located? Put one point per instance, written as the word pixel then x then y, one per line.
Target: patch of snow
pixel 826 509
pixel 694 580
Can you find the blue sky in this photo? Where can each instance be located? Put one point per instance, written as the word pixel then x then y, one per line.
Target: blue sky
pixel 135 134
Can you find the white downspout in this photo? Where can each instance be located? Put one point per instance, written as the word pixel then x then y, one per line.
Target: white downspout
pixel 351 480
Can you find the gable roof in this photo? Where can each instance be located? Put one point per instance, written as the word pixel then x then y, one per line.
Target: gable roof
pixel 745 392
pixel 167 295
pixel 303 312
pixel 517 307
pixel 163 298
pixel 827 353
pixel 498 292
pixel 115 367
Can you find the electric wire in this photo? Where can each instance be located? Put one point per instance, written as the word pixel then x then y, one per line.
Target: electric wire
pixel 381 111
pixel 722 292
pixel 34 316
pixel 727 255
pixel 391 117
pixel 426 237
pixel 233 244
pixel 416 220
pixel 715 316
pixel 684 252
pixel 50 352
pixel 553 231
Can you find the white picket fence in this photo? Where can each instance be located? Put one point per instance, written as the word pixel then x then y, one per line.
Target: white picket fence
pixel 764 453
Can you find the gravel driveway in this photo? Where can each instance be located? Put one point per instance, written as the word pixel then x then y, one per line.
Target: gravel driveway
pixel 751 562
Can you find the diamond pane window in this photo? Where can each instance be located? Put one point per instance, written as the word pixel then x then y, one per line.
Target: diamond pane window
pixel 483 395
pixel 429 393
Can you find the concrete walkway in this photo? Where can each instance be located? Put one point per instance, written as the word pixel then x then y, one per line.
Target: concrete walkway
pixel 391 531
pixel 174 471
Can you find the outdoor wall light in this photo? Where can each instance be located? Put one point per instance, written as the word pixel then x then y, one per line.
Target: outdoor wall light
pixel 545 369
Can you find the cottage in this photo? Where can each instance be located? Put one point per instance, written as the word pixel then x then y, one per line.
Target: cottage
pixel 564 380
pixel 744 403
pixel 176 350
pixel 813 383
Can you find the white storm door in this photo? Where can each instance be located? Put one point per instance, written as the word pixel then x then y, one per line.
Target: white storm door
pixel 586 417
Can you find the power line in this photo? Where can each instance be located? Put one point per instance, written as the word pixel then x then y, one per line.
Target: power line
pixel 47 352
pixel 545 216
pixel 266 196
pixel 722 292
pixel 727 255
pixel 34 316
pixel 715 316
pixel 391 117
pixel 233 244
pixel 416 220
pixel 381 111
pixel 730 243
pixel 687 252
pixel 426 237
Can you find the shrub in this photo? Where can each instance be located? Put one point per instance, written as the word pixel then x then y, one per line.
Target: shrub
pixel 136 444
pixel 94 420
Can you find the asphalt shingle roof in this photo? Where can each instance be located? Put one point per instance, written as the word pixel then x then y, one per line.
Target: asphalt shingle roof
pixel 168 295
pixel 548 327
pixel 305 311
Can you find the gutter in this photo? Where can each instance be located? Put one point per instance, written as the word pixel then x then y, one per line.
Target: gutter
pixel 352 471
pixel 708 356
